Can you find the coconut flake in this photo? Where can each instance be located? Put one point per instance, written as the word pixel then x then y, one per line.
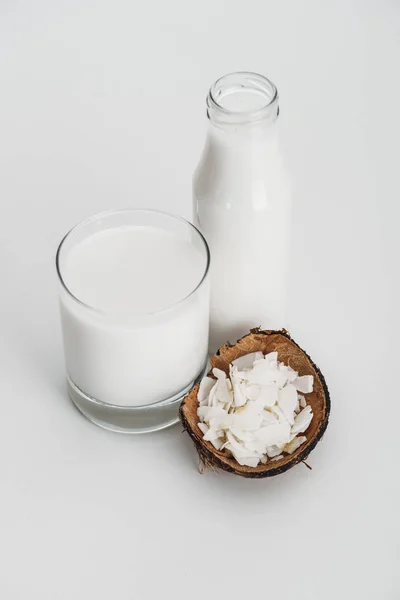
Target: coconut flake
pixel 203 427
pixel 242 454
pixel 239 394
pixel 261 373
pixel 294 444
pixel 239 387
pixel 248 417
pixel 302 401
pixel 247 361
pixel 288 372
pixel 265 395
pixel 277 457
pixel 265 372
pixel 205 413
pixel 202 412
pixel 257 446
pixel 269 418
pixel 213 395
pixel 273 451
pixel 272 359
pixel 279 414
pixel 218 373
pixel 304 384
pixel 222 393
pixel 218 443
pixel 213 434
pixel 268 395
pixel 206 385
pixel 252 391
pixel 287 401
pixel 274 434
pixel 221 421
pixel 241 435
pixel 244 458
pixel 302 420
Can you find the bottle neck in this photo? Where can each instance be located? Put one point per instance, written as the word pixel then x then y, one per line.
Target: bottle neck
pixel 243 104
pixel 260 135
pixel 241 150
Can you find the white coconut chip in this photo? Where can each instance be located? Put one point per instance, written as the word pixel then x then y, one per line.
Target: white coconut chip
pixel 239 399
pixel 269 418
pixel 213 434
pixel 239 388
pixel 206 385
pixel 248 417
pixel 202 413
pixel 273 435
pixel 278 414
pixel 221 422
pixel 254 414
pixel 277 457
pixel 241 435
pixel 213 396
pixel 273 451
pixel 294 444
pixel 244 459
pixel 205 413
pixel 272 359
pixel 261 374
pixel 223 394
pixel 256 446
pixel 216 437
pixel 289 373
pixel 203 427
pixel 304 384
pixel 242 454
pixel 287 401
pixel 247 361
pixel 218 443
pixel 302 420
pixel 268 395
pixel 218 373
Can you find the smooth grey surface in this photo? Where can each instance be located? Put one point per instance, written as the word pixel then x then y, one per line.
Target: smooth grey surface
pixel 102 105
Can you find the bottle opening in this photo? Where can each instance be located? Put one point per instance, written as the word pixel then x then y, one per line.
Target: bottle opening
pixel 242 98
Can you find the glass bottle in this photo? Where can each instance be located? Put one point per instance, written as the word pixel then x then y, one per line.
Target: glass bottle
pixel 241 199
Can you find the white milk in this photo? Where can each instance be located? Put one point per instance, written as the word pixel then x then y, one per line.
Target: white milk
pixel 141 341
pixel 242 206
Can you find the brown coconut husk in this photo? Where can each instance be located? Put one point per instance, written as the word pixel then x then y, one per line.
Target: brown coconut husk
pixel 291 354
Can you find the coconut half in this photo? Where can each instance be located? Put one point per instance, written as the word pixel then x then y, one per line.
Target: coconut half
pixel 289 353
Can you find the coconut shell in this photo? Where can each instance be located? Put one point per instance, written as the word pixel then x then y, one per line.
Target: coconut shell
pixel 289 353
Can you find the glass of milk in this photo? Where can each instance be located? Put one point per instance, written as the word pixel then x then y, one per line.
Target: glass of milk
pixel 134 299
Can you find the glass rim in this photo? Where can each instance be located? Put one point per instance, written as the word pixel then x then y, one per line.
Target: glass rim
pixel 109 213
pixel 247 115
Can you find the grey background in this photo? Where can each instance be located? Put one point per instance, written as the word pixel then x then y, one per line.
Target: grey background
pixel 102 105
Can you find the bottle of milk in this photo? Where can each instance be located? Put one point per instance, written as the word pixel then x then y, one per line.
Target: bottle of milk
pixel 242 206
